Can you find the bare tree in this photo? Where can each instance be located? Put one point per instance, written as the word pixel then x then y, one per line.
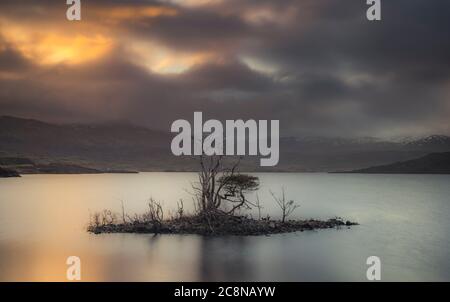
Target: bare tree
pixel 95 219
pixel 205 189
pixel 123 213
pixel 108 217
pixel 155 212
pixel 287 207
pixel 258 206
pixel 180 208
pixel 235 189
pixel 218 183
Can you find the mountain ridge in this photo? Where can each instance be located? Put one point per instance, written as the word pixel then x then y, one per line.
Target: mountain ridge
pixel 433 163
pixel 124 146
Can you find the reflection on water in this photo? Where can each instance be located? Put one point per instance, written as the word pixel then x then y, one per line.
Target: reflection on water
pixel 404 221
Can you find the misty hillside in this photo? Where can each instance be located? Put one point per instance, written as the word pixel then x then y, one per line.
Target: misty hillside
pixel 124 146
pixel 434 163
pixel 101 146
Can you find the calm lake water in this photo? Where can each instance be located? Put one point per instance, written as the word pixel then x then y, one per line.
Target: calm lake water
pixel 405 220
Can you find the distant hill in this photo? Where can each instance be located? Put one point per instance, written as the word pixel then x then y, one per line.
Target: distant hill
pixel 15 161
pixel 26 166
pixel 434 163
pixel 121 146
pixel 55 168
pixel 8 173
pixel 430 142
pixel 103 146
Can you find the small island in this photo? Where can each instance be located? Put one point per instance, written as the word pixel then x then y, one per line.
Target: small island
pixel 219 224
pixel 220 195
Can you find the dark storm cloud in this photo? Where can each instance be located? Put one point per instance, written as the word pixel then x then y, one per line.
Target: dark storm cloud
pixel 195 30
pixel 11 59
pixel 317 65
pixel 226 75
pixel 114 88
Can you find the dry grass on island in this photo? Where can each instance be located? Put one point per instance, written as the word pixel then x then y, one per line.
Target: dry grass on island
pixel 217 223
pixel 219 195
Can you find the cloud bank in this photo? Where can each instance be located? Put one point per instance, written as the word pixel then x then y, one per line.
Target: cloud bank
pixel 316 65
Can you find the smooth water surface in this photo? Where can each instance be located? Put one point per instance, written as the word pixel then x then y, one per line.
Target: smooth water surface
pixel 404 221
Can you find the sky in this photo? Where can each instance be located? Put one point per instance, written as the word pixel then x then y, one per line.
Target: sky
pixel 318 66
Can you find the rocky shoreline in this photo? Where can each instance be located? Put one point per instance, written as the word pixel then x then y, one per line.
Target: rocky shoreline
pixel 225 225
